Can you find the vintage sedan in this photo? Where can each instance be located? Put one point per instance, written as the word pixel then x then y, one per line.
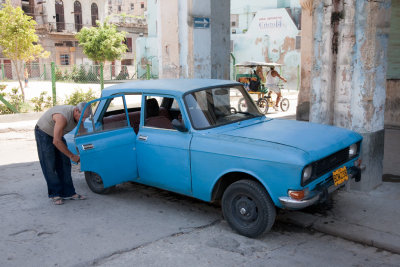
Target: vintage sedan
pixel 188 136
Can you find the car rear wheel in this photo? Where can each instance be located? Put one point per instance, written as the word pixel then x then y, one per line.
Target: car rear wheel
pixel 95 183
pixel 248 208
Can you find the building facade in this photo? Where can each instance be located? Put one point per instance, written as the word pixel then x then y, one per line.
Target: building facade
pixel 58 21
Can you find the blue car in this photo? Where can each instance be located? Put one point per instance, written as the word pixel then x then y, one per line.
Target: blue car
pixel 189 136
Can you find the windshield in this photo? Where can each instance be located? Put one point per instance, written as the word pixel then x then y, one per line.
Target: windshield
pixel 218 106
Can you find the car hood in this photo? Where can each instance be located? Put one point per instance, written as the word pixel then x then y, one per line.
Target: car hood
pixel 318 140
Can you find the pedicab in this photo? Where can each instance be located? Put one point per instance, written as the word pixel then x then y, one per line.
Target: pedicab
pixel 246 74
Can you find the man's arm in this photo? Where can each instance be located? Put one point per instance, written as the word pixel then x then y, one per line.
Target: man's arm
pixel 60 123
pixel 279 76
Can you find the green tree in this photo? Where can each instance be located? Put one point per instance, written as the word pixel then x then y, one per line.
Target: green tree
pixel 102 43
pixel 18 39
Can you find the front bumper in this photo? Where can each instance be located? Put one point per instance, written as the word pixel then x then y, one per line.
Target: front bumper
pixel 320 193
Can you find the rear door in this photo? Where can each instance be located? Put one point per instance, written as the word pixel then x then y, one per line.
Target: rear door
pixel 107 146
pixel 163 152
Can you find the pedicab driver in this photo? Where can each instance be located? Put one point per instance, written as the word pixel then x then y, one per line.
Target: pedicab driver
pixel 272 84
pixel 54 155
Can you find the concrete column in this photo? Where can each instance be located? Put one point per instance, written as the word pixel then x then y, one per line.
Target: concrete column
pixel 220 39
pixel 186 51
pixel 369 84
pixel 322 90
pixel 168 38
pixel 349 74
pixel 307 38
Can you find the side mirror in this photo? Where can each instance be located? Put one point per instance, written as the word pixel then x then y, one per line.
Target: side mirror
pixel 178 125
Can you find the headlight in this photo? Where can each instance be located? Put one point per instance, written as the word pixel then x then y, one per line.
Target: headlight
pixel 307 172
pixel 353 150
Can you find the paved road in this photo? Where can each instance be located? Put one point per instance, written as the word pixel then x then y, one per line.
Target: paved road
pixel 141 226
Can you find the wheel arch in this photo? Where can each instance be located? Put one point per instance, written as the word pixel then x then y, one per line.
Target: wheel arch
pixel 229 178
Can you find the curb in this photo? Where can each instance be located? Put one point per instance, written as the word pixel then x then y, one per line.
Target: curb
pixel 349 231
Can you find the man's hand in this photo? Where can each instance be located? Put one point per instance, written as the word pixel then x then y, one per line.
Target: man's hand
pixel 75 158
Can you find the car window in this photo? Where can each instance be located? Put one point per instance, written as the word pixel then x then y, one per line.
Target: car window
pixel 218 106
pixel 157 116
pixel 113 117
pixel 133 102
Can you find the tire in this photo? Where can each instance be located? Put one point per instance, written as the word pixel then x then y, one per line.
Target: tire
pixel 95 183
pixel 284 104
pixel 263 105
pixel 248 208
pixel 242 107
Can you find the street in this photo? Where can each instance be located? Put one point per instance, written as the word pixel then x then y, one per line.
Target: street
pixel 137 225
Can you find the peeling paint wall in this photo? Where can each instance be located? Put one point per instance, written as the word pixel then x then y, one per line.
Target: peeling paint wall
pixel 348 77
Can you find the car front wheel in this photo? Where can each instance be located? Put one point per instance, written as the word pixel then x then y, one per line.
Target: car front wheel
pixel 248 208
pixel 95 183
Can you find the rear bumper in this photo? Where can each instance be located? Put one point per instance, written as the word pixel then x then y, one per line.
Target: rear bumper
pixel 319 193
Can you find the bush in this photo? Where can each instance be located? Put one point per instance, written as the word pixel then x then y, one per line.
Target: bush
pixel 67 76
pixel 80 96
pixel 92 76
pixel 74 74
pixel 82 74
pixel 14 98
pixel 41 102
pixel 59 75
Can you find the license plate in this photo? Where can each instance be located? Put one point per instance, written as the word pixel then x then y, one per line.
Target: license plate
pixel 340 175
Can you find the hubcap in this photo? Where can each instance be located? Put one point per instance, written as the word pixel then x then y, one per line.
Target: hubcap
pixel 243 211
pixel 246 209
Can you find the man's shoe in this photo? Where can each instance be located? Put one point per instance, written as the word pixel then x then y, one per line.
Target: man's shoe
pixel 276 108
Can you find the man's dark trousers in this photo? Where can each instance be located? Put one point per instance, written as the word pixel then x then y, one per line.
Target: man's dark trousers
pixel 55 165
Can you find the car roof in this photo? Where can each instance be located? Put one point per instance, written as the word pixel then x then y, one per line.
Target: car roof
pixel 176 87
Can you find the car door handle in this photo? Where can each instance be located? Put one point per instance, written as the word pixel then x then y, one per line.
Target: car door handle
pixel 142 137
pixel 87 146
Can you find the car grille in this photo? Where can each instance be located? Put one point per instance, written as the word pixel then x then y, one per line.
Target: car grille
pixel 331 162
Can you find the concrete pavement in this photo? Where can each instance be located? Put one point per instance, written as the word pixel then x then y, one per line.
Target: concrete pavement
pixel 370 218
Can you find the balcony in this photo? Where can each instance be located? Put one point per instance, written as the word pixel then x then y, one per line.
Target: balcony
pixel 67 28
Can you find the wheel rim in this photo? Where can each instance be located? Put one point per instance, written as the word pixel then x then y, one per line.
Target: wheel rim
pixel 285 105
pixel 244 210
pixel 242 105
pixel 96 181
pixel 263 105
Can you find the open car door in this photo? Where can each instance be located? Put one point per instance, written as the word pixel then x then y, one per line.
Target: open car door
pixel 107 146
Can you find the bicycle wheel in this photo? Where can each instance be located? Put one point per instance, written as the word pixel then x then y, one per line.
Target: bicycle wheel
pixel 242 106
pixel 262 104
pixel 284 104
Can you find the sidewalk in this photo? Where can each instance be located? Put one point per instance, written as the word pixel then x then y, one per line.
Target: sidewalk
pixel 371 218
pixel 368 218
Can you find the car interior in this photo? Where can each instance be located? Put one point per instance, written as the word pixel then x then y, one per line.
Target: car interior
pixel 159 113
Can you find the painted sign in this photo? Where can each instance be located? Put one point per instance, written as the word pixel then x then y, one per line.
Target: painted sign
pixel 275 23
pixel 201 23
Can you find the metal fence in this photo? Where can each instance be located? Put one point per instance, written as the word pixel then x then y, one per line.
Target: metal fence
pixel 58 80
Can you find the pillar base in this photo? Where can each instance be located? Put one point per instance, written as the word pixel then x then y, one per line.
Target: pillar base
pixel 372 159
pixel 303 111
